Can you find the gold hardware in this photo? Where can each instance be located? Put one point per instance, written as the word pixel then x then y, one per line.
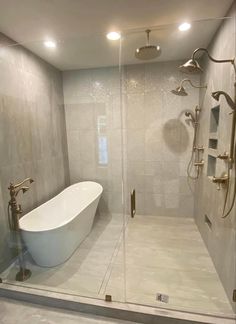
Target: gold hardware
pixel 14 212
pixel 132 201
pixel 220 180
pixel 23 274
pixel 30 180
pixel 108 298
pixel 224 156
pixel 180 90
pixel 234 295
pixel 200 163
pixel 198 148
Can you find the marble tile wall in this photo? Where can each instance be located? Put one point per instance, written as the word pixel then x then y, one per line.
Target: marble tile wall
pixel 32 132
pixel 93 122
pixel 221 237
pixel 148 128
pixel 158 139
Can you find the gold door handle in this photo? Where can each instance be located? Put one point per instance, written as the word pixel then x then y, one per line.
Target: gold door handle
pixel 132 202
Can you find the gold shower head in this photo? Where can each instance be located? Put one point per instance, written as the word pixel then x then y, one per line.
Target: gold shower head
pixel 148 52
pixel 191 66
pixel 179 91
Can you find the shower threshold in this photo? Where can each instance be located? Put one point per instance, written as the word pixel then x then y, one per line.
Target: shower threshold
pixel 123 311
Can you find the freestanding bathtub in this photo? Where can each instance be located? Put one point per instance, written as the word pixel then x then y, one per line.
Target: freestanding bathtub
pixel 54 230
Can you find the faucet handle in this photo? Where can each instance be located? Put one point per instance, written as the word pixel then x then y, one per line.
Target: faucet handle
pixel 224 156
pixel 19 209
pixel 220 180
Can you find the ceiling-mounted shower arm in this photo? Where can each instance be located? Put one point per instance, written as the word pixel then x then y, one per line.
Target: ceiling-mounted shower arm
pixel 148 52
pixel 210 57
pixel 148 31
pixel 193 85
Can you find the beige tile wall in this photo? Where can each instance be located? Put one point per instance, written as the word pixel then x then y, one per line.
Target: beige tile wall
pixel 32 132
pixel 221 238
pixel 156 139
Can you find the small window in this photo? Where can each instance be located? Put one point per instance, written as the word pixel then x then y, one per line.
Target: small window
pixel 102 150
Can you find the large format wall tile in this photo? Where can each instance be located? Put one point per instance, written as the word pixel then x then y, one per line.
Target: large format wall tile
pixel 32 132
pixel 220 239
pixel 149 134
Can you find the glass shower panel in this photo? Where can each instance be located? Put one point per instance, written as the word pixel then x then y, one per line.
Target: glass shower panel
pixel 60 122
pixel 173 244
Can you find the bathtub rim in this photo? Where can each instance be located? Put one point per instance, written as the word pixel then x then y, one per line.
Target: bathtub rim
pixel 67 221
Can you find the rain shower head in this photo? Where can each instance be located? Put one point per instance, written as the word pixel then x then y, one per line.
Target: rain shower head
pixel 191 66
pixel 179 91
pixel 148 52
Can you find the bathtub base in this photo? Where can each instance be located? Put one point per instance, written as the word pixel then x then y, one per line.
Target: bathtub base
pixel 23 274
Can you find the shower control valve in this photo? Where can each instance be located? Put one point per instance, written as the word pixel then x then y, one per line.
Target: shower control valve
pixel 224 156
pixel 220 180
pixel 200 163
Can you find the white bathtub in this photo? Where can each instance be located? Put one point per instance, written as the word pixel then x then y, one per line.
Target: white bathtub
pixel 54 230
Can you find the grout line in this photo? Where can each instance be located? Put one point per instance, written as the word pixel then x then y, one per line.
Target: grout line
pixel 110 267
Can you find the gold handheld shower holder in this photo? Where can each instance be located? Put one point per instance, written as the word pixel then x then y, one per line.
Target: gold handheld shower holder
pixel 198 148
pixel 199 163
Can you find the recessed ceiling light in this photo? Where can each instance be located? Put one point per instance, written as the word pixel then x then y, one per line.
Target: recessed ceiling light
pixel 113 35
pixel 185 26
pixel 50 44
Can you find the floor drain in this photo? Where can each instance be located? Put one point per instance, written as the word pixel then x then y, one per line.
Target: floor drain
pixel 162 298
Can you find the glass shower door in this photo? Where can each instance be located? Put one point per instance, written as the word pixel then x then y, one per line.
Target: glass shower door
pixel 170 260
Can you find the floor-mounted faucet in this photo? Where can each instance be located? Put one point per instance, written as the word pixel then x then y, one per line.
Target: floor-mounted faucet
pixel 14 212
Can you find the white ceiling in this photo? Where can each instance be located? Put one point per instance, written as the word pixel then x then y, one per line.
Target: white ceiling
pixel 80 26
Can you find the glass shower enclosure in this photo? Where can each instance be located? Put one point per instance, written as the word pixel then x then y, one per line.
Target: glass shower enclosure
pixel 90 110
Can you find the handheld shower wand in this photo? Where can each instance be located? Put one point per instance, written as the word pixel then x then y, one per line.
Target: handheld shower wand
pixel 232 155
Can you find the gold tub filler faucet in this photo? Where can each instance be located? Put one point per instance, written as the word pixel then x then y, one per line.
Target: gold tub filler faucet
pixel 14 214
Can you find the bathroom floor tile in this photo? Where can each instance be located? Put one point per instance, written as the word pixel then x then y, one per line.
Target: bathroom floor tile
pixel 162 255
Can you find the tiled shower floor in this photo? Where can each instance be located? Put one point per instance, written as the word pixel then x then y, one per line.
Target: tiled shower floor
pixel 163 255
